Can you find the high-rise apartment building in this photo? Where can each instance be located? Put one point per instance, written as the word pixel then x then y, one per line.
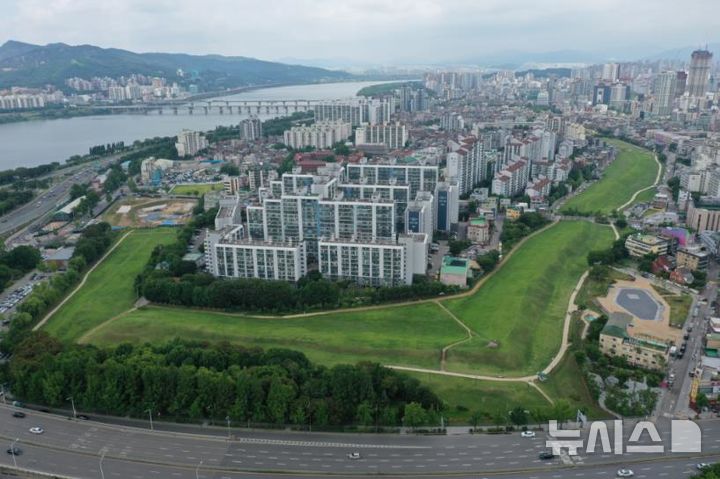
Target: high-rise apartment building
pixel 322 134
pixel 392 135
pixel 251 129
pixel 190 143
pixel 664 89
pixel 699 73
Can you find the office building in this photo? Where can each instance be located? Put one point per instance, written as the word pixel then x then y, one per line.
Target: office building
pixel 446 206
pixel 419 217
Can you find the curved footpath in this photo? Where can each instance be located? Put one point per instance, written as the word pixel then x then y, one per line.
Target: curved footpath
pixel 654 185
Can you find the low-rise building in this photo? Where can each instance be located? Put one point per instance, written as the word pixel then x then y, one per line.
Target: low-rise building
pixel 478 230
pixel 692 258
pixel 639 245
pixel 616 339
pixel 455 271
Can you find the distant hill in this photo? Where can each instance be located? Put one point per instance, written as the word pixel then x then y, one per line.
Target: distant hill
pixel 24 64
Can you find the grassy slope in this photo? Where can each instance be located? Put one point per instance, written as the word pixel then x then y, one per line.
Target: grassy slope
pixel 633 169
pixel 109 289
pixel 413 335
pixel 523 306
pixel 465 396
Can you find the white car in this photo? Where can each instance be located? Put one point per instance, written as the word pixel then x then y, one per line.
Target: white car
pixel 625 473
pixel 702 465
pixel 527 434
pixel 354 455
pixel 37 430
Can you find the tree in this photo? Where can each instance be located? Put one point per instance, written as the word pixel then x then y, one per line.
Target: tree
pixel 561 411
pixel 23 258
pixel 230 169
pixel 364 414
pixel 476 418
pixel 414 415
pixel 702 401
pixel 518 416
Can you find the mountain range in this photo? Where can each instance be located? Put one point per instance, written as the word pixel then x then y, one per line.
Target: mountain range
pixel 25 64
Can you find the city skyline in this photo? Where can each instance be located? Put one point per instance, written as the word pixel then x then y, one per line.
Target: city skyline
pixel 366 31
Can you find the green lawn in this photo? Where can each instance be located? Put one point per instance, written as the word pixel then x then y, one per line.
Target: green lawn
pixel 465 396
pixel 633 169
pixel 522 308
pixel 109 289
pixel 412 336
pixel 196 189
pixel 680 305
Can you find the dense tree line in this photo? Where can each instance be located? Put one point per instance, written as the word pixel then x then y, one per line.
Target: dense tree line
pixel 109 149
pixel 116 177
pixel 11 176
pixel 514 231
pixel 11 199
pixel 93 243
pixel 184 379
pixel 16 263
pixel 277 126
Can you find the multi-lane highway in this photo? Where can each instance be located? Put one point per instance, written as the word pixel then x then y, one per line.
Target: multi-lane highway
pixel 76 448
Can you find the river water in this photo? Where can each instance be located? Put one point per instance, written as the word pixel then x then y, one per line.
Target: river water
pixel 32 143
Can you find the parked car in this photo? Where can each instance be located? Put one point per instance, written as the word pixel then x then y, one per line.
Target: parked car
pixel 18 414
pixel 14 451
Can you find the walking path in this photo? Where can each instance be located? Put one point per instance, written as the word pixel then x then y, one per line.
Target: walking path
pixel 657 181
pixel 82 283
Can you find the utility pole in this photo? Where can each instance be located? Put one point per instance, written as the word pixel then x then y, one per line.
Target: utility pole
pixel 72 401
pixel 12 451
pixel 149 411
pixel 102 457
pixel 197 470
pixel 227 419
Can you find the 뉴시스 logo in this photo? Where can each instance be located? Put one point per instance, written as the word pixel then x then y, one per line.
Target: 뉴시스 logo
pixel 685 436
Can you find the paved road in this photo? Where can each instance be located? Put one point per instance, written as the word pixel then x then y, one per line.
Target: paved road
pixel 74 448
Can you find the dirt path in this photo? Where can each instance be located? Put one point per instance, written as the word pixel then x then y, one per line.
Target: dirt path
pixel 82 283
pixel 470 333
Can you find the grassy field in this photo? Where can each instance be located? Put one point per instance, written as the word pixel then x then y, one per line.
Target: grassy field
pixel 465 396
pixel 411 336
pixel 109 289
pixel 633 169
pixel 680 305
pixel 196 189
pixel 522 308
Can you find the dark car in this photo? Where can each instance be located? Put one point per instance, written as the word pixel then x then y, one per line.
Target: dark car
pixel 19 414
pixel 545 455
pixel 84 417
pixel 14 451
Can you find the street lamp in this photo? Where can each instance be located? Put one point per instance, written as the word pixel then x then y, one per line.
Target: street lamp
pixel 72 401
pixel 149 411
pixel 3 393
pixel 197 470
pixel 227 419
pixel 102 457
pixel 12 451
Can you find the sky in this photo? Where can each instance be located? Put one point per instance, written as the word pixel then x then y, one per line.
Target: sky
pixel 378 32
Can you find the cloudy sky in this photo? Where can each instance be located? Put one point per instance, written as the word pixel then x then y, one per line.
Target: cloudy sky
pixel 367 31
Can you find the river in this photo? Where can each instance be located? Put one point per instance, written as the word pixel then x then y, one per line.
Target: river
pixel 32 143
